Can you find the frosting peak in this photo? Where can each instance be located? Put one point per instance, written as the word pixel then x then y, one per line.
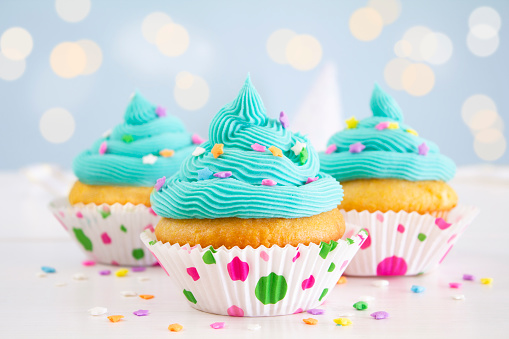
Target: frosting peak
pixel 248 105
pixel 383 105
pixel 140 110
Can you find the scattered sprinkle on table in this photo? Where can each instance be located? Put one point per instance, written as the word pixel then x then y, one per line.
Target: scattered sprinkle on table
pixel 146 296
pixel 175 327
pixel 342 280
pixel 40 275
pixel 458 297
pixel 97 310
pixel 417 289
pixel 60 284
pixel 121 272
pixel 138 269
pixel 310 321
pixel 486 281
pixel 254 327
pixel 48 269
pixel 79 276
pixel 217 325
pixel 141 279
pixel 343 321
pixel 141 313
pixel 88 263
pixel 129 293
pixel 380 283
pixel 316 311
pixel 366 298
pixel 380 315
pixel 105 272
pixel 469 277
pixel 361 305
pixel 115 318
pixel 454 285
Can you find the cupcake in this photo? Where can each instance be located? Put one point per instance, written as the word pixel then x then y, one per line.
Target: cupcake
pixel 250 217
pixel 395 186
pixel 109 205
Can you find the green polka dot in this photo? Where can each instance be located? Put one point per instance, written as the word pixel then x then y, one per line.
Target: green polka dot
pixel 421 236
pixel 138 253
pixel 324 293
pixel 212 249
pixel 127 138
pixel 83 239
pixel 189 295
pixel 271 289
pixel 327 248
pixel 361 305
pixel 303 156
pixel 123 229
pixel 331 267
pixel 152 242
pixel 104 213
pixel 208 258
pixel 350 241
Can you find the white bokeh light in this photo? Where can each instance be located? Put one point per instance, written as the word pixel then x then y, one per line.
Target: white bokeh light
pixel 94 56
pixel 68 60
pixel 484 31
pixel 436 48
pixel 393 72
pixel 304 52
pixel 191 91
pixel 485 15
pixel 11 69
pixel 57 125
pixel 402 48
pixel 366 24
pixel 72 10
pixel 490 144
pixel 172 40
pixel 276 45
pixel 418 79
pixel 414 36
pixel 388 9
pixel 474 104
pixel 16 43
pixel 482 47
pixel 483 119
pixel 184 80
pixel 152 24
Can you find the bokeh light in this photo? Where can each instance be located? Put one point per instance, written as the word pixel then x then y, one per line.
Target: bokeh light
pixel 68 60
pixel 152 24
pixel 474 104
pixel 436 48
pixel 389 10
pixel 191 91
pixel 485 15
pixel 366 24
pixel 57 125
pixel 482 39
pixel 490 144
pixel 418 79
pixel 11 69
pixel 304 52
pixel 393 72
pixel 172 40
pixel 72 10
pixel 402 48
pixel 276 45
pixel 94 56
pixel 482 47
pixel 414 37
pixel 16 43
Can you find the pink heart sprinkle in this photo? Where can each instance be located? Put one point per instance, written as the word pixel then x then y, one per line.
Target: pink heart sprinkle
pixel 264 256
pixel 296 257
pixel 196 139
pixel 308 283
pixel 235 311
pixel 149 227
pixel 103 148
pixel 299 310
pixel 401 228
pixel 257 147
pixel 442 224
pixel 106 238
pixel 217 325
pixel 382 125
pixel 331 149
pixel 311 180
pixel 380 217
pixel 193 272
pixel 79 214
pixel 454 285
pixel 269 182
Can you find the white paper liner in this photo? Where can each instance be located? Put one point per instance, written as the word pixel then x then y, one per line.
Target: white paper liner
pixel 215 291
pixel 404 243
pixel 108 242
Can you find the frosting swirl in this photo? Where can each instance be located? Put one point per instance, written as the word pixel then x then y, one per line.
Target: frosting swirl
pixel 146 146
pixel 265 170
pixel 390 149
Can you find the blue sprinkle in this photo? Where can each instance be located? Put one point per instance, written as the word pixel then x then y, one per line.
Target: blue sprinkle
pixel 204 173
pixel 47 269
pixel 417 289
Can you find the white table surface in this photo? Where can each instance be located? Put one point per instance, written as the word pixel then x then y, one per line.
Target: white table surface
pixel 34 307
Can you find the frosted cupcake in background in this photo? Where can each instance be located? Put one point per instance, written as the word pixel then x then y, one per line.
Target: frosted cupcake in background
pixel 250 217
pixel 395 186
pixel 109 205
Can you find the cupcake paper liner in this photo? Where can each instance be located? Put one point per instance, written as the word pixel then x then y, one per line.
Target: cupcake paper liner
pixel 255 282
pixel 108 234
pixel 405 243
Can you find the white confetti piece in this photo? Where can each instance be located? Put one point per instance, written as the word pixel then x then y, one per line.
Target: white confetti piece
pixel 79 276
pixel 458 297
pixel 380 283
pixel 40 275
pixel 198 151
pixel 98 310
pixel 107 133
pixel 129 293
pixel 254 327
pixel 366 298
pixel 346 315
pixel 60 284
pixel 141 279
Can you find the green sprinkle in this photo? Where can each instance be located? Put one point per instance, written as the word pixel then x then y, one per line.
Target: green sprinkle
pixel 123 229
pixel 361 305
pixel 303 156
pixel 331 267
pixel 421 236
pixel 127 138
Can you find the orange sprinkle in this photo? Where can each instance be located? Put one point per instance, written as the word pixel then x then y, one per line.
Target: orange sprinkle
pixel 217 150
pixel 310 321
pixel 166 153
pixel 115 318
pixel 175 327
pixel 146 296
pixel 342 280
pixel 276 151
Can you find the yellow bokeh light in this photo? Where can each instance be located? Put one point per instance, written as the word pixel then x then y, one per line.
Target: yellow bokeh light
pixel 184 80
pixel 152 24
pixel 191 91
pixel 393 72
pixel 366 24
pixel 418 79
pixel 276 45
pixel 68 60
pixel 304 52
pixel 172 40
pixel 388 9
pixel 94 56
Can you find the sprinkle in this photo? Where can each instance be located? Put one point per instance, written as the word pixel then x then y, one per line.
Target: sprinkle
pixel 146 296
pixel 412 131
pixel 423 149
pixel 417 289
pixel 129 293
pixel 361 305
pixel 107 133
pixel 283 119
pixel 383 125
pixel 217 150
pixel 342 281
pixel 98 310
pixel 198 151
pixel 122 272
pixel 343 321
pixel 149 159
pixel 380 315
pixel 454 285
pixel 138 269
pixel 310 180
pixel 160 111
pixel 103 147
pixel 196 139
pixel 486 281
pixel 346 315
pixel 166 153
pixel 331 149
pixel 458 297
pixel 468 277
pixel 224 174
pixel 127 138
pixel 316 311
pixel 60 284
pixel 115 318
pixel 259 148
pixel 105 272
pixel 141 279
pixel 351 123
pixel 310 321
pixel 269 182
pixel 393 125
pixel 380 283
pixel 160 183
pixel 79 276
pixel 217 325
pixel 357 147
pixel 366 298
pixel 88 263
pixel 175 327
pixel 47 269
pixel 303 157
pixel 40 275
pixel 141 313
pixel 297 148
pixel 204 173
pixel 276 151
pixel 254 327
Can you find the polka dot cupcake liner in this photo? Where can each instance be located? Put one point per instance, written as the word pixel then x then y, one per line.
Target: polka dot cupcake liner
pixel 405 243
pixel 255 282
pixel 108 234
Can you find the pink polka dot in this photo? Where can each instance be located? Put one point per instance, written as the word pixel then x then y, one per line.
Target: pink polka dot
pixel 343 265
pixel 79 214
pixel 299 310
pixel 264 256
pixel 392 266
pixel 442 224
pixel 401 228
pixel 308 283
pixel 349 233
pixel 149 227
pixel 296 257
pixel 238 269
pixel 452 238
pixel 151 211
pixel 114 263
pixel 61 222
pixel 193 272
pixel 447 252
pixel 367 242
pixel 61 214
pixel 235 311
pixel 380 217
pixel 106 238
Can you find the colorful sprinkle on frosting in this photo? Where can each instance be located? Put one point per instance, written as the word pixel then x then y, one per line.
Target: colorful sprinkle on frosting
pixel 217 150
pixel 276 151
pixel 298 147
pixel 351 123
pixel 357 147
pixel 257 147
pixel 283 119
